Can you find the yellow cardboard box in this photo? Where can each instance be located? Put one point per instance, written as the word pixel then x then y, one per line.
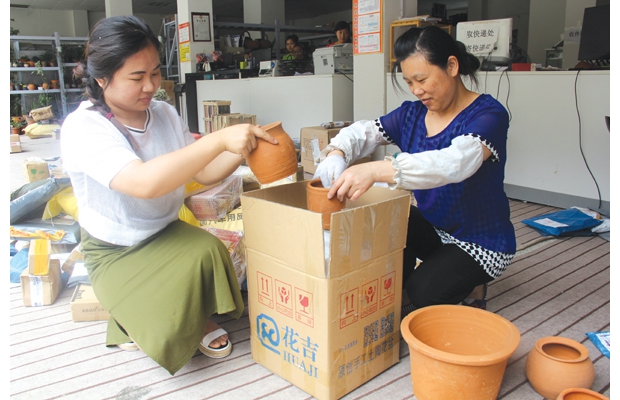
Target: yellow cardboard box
pixel 85 306
pixel 326 323
pixel 39 256
pixel 35 169
pixel 41 290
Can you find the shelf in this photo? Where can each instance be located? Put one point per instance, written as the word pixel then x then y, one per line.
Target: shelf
pixel 45 44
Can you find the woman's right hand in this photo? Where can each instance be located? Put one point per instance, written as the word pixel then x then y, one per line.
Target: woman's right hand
pixel 242 138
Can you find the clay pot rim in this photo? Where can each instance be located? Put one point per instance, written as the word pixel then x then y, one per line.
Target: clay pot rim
pixel 595 395
pixel 271 125
pixel 583 351
pixel 470 360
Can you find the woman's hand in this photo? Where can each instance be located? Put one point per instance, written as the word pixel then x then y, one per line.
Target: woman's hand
pixel 356 180
pixel 241 139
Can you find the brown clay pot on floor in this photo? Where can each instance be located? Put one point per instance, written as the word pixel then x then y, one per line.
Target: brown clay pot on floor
pixel 580 394
pixel 557 363
pixel 458 352
pixel 316 198
pixel 271 162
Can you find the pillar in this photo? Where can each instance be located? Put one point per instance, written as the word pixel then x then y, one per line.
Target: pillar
pixel 114 8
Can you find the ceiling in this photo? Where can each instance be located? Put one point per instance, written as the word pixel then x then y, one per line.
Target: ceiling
pixel 224 10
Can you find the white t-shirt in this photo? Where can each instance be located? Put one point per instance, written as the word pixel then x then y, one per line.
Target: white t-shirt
pixel 94 151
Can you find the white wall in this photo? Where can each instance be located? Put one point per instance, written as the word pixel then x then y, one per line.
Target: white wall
pixel 544 162
pixel 38 22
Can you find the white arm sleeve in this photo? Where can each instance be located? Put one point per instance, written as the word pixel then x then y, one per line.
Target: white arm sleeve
pixel 431 169
pixel 357 140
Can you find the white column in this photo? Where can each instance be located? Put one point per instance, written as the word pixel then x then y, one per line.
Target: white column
pixel 263 12
pixel 184 10
pixel 114 8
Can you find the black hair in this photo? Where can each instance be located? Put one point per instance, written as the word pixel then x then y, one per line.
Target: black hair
pixel 436 45
pixel 342 25
pixel 293 37
pixel 111 41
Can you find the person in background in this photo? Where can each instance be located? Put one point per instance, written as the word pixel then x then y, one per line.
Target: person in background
pixel 291 41
pixel 129 157
pixel 452 156
pixel 299 53
pixel 343 33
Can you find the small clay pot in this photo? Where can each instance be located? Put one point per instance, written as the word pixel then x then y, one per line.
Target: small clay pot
pixel 271 162
pixel 580 394
pixel 317 201
pixel 45 85
pixel 16 130
pixel 557 363
pixel 458 352
pixel 32 86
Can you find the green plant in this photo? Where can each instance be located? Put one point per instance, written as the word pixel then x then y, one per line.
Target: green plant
pixel 15 124
pixel 40 71
pixel 16 106
pixel 13 30
pixel 161 94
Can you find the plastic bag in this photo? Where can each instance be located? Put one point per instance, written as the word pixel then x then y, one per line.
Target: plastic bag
pixel 187 216
pixel 563 223
pixel 63 202
pixel 42 192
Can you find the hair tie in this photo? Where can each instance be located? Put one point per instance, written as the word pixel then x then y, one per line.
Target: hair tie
pixel 109 115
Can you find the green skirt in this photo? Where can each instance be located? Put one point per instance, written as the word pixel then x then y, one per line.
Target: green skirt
pixel 162 291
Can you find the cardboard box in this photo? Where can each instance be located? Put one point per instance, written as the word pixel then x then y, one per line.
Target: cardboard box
pixel 85 306
pixel 16 145
pixel 35 169
pixel 325 324
pixel 41 290
pixel 39 256
pixel 307 135
pixel 314 137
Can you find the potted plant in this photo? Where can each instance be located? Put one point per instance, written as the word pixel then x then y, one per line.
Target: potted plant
pixel 16 127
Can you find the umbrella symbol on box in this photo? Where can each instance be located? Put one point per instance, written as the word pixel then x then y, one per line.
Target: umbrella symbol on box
pixel 303 300
pixel 387 284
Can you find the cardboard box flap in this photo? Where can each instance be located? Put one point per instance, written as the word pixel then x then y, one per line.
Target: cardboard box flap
pixel 285 233
pixel 374 227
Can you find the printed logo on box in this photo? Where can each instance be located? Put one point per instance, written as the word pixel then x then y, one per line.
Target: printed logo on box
pixel 284 300
pixel 388 290
pixel 370 298
pixel 304 310
pixel 265 289
pixel 349 307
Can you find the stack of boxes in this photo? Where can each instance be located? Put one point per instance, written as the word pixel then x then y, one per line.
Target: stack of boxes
pixel 41 281
pixel 16 144
pixel 217 116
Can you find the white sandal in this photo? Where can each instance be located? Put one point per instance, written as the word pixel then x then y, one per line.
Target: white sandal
pixel 212 352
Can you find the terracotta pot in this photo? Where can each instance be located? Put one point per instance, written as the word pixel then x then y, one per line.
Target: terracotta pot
pixel 458 352
pixel 32 86
pixel 45 85
pixel 16 130
pixel 55 84
pixel 580 394
pixel 557 363
pixel 270 162
pixel 317 201
pixel 31 63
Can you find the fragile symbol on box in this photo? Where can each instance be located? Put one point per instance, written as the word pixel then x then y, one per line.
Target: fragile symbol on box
pixel 369 300
pixel 304 311
pixel 265 290
pixel 284 302
pixel 388 291
pixel 349 307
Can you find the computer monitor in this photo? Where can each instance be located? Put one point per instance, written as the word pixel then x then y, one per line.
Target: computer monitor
pixel 594 38
pixel 489 40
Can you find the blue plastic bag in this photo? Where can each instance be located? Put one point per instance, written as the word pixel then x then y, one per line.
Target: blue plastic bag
pixel 602 341
pixel 19 262
pixel 562 223
pixel 36 198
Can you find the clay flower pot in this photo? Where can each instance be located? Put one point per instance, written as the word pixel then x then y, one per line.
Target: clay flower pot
pixel 32 86
pixel 55 84
pixel 557 363
pixel 45 85
pixel 271 162
pixel 580 394
pixel 16 130
pixel 316 198
pixel 458 352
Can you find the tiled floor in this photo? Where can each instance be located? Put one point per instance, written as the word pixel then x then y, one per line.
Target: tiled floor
pixel 555 287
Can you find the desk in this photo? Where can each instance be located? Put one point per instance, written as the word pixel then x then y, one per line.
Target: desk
pixel 409 23
pixel 297 101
